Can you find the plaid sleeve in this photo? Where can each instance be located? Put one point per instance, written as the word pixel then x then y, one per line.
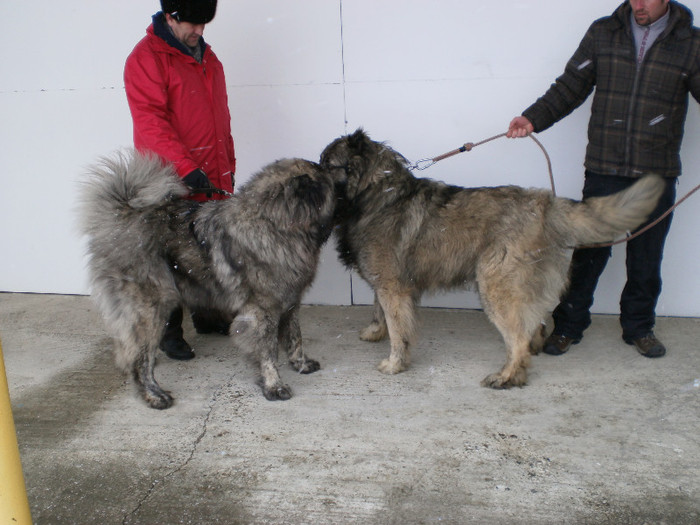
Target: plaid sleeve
pixel 569 90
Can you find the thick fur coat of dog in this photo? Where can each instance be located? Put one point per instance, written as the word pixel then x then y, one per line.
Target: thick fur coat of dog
pixel 406 236
pixel 250 257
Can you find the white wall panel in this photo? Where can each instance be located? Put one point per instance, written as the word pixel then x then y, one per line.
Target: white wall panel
pixel 271 122
pixel 424 76
pixel 46 142
pixel 278 42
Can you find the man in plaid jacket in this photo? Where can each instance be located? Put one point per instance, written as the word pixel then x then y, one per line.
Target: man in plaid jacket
pixel 642 62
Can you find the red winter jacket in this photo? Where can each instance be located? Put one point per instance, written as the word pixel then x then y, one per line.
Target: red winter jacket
pixel 180 107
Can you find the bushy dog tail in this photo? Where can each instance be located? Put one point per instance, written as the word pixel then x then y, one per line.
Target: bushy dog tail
pixel 602 219
pixel 128 180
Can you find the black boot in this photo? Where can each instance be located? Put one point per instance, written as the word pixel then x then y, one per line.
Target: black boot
pixel 172 343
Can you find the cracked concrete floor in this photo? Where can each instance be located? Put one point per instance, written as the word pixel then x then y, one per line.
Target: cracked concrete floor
pixel 600 435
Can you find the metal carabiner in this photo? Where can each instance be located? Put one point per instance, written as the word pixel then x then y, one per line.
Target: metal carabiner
pixel 422 164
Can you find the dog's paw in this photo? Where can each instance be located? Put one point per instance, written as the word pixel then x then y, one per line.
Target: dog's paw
pixel 159 399
pixel 494 381
pixel 389 367
pixel 373 333
pixel 499 382
pixel 277 393
pixel 305 365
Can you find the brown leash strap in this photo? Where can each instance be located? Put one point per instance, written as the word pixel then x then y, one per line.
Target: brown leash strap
pixel 218 191
pixel 642 230
pixel 424 164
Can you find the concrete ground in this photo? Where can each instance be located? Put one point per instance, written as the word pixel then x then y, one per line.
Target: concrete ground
pixel 600 435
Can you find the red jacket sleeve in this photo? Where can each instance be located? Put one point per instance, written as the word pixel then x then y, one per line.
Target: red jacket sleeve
pixel 147 95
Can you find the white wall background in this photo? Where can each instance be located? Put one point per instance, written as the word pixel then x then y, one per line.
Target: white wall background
pixel 425 76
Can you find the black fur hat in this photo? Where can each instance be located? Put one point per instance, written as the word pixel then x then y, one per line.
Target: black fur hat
pixel 192 11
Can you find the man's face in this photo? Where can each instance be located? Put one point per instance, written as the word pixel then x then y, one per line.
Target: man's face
pixel 648 11
pixel 187 33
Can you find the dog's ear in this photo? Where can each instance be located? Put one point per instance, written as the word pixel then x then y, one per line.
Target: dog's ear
pixel 301 187
pixel 359 145
pixel 357 140
pixel 306 198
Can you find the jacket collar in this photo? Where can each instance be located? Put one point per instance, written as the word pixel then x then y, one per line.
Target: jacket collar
pixel 162 31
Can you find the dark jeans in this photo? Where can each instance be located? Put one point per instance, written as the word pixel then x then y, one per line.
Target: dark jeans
pixel 173 328
pixel 203 319
pixel 644 254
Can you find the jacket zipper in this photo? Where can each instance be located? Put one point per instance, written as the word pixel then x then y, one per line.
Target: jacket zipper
pixel 633 100
pixel 630 114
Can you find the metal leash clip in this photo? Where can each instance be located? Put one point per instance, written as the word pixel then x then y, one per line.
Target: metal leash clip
pixel 422 164
pixel 218 191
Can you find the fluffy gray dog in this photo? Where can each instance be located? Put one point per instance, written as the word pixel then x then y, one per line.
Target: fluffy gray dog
pixel 251 256
pixel 406 236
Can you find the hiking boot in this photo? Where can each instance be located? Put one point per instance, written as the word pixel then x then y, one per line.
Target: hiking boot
pixel 558 344
pixel 177 348
pixel 648 345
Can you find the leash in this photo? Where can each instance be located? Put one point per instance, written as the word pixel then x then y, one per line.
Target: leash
pixel 218 191
pixel 649 226
pixel 424 164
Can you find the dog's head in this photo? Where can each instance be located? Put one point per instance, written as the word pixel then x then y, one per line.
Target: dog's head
pixel 347 158
pixel 294 193
pixel 359 162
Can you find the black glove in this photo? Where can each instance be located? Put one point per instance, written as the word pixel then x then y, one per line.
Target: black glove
pixel 198 180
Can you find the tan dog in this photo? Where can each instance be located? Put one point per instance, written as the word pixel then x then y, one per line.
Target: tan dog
pixel 406 236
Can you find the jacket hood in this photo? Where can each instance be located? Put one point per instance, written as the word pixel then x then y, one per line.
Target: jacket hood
pixel 680 19
pixel 162 31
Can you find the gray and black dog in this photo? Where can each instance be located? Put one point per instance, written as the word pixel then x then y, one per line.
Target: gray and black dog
pixel 250 257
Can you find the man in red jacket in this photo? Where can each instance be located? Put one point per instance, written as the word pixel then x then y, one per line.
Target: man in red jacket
pixel 176 91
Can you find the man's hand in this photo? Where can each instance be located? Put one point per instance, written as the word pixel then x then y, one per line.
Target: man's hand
pixel 519 127
pixel 198 180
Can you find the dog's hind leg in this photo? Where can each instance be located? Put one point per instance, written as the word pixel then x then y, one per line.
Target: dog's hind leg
pixel 376 330
pixel 514 372
pixel 538 338
pixel 138 325
pixel 142 372
pixel 508 308
pixel 400 311
pixel 256 332
pixel 290 340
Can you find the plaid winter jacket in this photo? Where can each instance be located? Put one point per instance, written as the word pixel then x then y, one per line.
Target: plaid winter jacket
pixel 638 114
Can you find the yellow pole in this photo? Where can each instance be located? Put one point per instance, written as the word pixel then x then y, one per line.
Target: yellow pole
pixel 14 506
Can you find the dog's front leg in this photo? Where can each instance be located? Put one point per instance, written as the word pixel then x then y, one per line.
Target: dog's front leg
pixel 256 332
pixel 399 311
pixel 290 340
pixel 270 381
